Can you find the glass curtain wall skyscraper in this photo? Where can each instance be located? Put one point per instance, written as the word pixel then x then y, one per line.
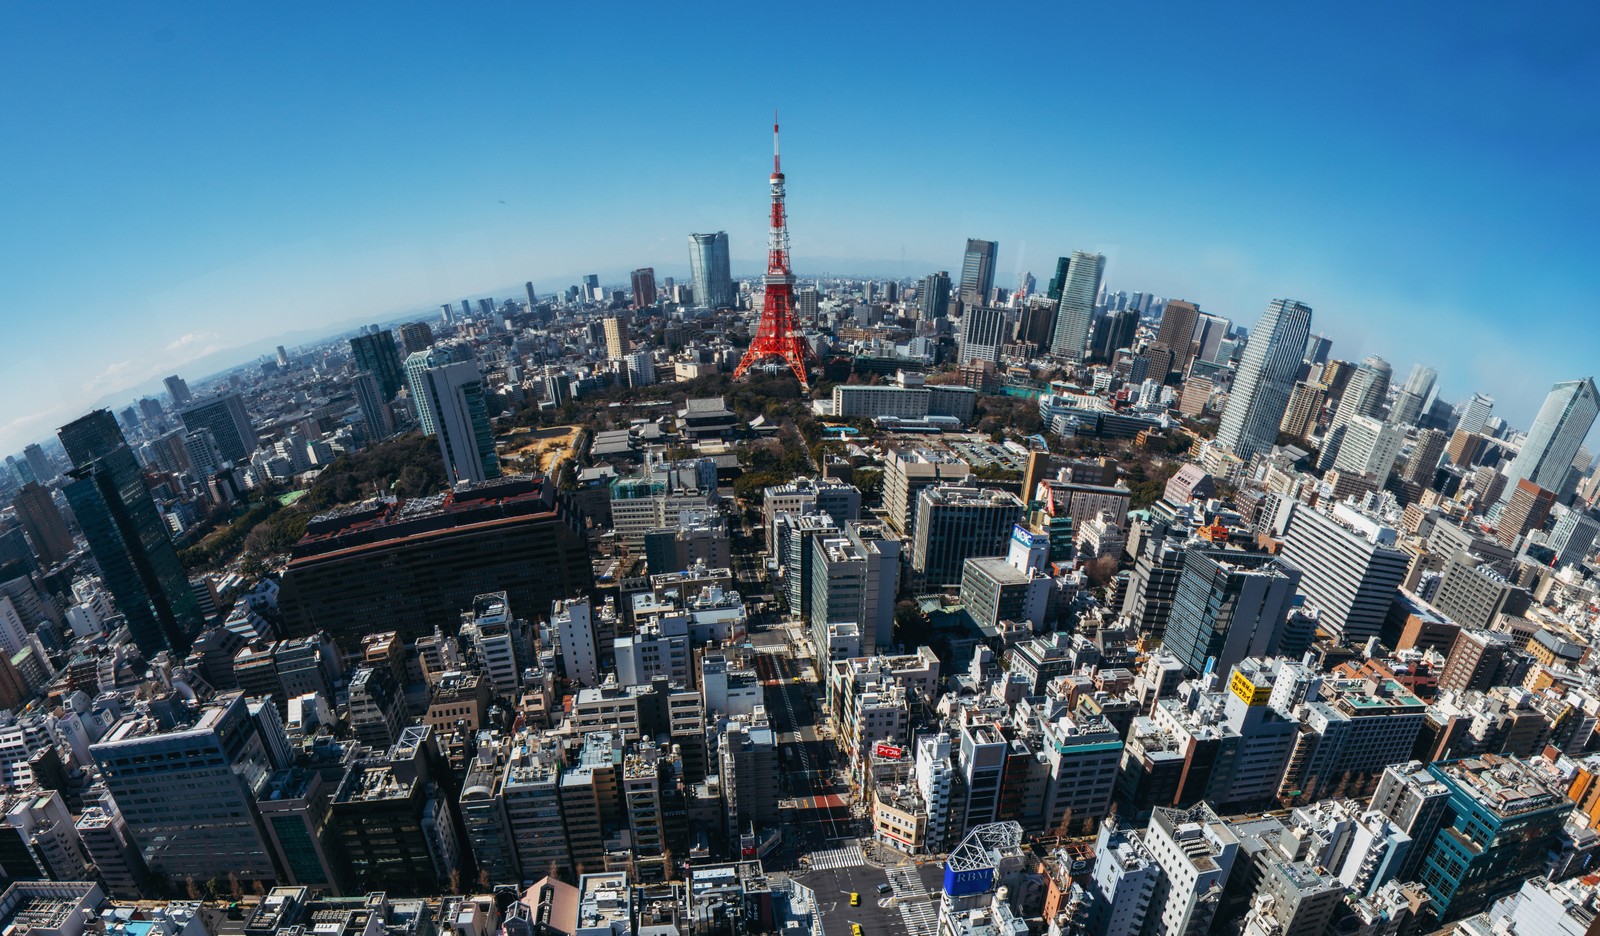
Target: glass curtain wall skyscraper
pixel 126 533
pixel 1557 433
pixel 1364 395
pixel 709 270
pixel 377 355
pixel 977 271
pixel 1076 311
pixel 1260 394
pixel 1408 403
pixel 933 300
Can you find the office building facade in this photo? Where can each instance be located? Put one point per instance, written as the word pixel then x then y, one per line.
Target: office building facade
pixel 709 271
pixel 1076 309
pixel 1261 389
pixel 933 299
pixel 377 355
pixel 225 418
pixel 1228 606
pixel 455 396
pixel 977 272
pixel 127 536
pixel 1565 418
pixel 380 567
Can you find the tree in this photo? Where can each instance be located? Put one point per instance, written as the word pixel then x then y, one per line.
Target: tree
pixel 869 481
pixel 751 484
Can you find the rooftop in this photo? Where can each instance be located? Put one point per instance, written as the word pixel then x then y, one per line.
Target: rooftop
pixel 1504 784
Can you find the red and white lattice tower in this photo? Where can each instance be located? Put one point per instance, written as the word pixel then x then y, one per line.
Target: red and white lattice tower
pixel 778 334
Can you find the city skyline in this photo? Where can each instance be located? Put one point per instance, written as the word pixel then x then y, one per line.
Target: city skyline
pixel 230 214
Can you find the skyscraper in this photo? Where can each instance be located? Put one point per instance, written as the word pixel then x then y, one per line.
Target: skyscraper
pixel 374 409
pixel 1350 564
pixel 933 299
pixel 1305 405
pixel 1177 334
pixel 187 790
pixel 1364 395
pixel 617 343
pixel 228 422
pixel 805 304
pixel 376 354
pixel 533 299
pixel 1228 606
pixel 43 471
pixel 983 331
pixel 644 287
pixel 127 536
pixel 1076 310
pixel 1557 433
pixel 708 271
pixel 178 390
pixel 461 421
pixel 1053 291
pixel 414 337
pixel 1260 394
pixel 1475 412
pixel 1409 401
pixel 1317 350
pixel 977 271
pixel 36 510
pixel 1113 332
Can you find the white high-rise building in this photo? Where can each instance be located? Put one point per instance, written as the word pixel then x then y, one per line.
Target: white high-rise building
pixel 1363 396
pixel 452 406
pixel 935 779
pixel 1558 431
pixel 1195 850
pixel 983 331
pixel 1076 310
pixel 573 621
pixel 1475 413
pixel 1125 878
pixel 641 368
pixel 1413 396
pixel 1260 394
pixel 1351 564
pixel 1370 446
pixel 1376 852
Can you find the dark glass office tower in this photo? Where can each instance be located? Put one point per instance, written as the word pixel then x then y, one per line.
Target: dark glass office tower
pixel 377 355
pixel 127 536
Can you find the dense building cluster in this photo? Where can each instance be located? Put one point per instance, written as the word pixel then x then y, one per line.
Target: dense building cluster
pixel 1218 634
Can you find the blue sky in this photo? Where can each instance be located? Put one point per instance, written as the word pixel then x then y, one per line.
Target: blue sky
pixel 179 179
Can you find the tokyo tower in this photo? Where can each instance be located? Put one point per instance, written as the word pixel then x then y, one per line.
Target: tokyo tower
pixel 778 334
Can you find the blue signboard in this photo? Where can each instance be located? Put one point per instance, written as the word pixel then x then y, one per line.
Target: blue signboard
pixel 967 883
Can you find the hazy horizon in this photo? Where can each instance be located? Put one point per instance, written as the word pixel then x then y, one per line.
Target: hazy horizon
pixel 199 183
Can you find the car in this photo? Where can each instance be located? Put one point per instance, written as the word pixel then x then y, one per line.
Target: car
pixel 855 929
pixel 855 898
pixel 884 888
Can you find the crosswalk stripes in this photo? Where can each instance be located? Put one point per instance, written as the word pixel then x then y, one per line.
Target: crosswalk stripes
pixel 850 856
pixel 917 908
pixel 921 917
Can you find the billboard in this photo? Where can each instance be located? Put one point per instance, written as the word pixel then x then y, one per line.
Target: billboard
pixel 889 751
pixel 967 883
pixel 1247 691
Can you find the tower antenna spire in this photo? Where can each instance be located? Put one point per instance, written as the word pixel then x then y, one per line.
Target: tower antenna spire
pixel 778 334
